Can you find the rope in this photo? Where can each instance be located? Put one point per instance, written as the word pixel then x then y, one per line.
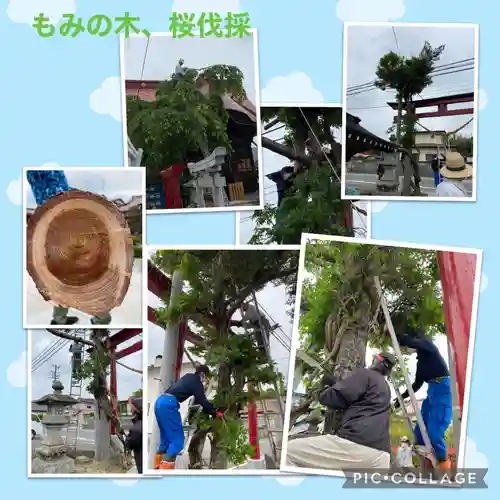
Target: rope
pixel 128 367
pixel 319 144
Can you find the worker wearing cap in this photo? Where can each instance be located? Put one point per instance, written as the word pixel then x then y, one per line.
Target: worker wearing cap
pixel 436 408
pixel 168 416
pixel 133 441
pixel 404 457
pixel 362 441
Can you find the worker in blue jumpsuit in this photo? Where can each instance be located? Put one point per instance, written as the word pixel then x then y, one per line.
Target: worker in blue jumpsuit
pixel 436 408
pixel 46 184
pixel 168 416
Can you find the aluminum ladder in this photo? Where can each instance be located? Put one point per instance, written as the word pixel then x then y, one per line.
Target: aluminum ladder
pixel 427 451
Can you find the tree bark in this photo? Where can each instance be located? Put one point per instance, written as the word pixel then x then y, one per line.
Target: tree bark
pixel 351 356
pixel 195 449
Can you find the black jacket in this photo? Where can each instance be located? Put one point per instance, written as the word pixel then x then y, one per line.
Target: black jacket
pixel 430 364
pixel 365 398
pixel 134 441
pixel 191 385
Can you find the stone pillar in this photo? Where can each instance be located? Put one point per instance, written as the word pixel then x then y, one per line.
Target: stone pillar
pixel 207 174
pixel 50 457
pixel 134 155
pixel 389 183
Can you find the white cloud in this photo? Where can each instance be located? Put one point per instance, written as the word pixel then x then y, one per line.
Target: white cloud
pixel 289 480
pixel 199 6
pixel 15 191
pixel 24 11
pixel 15 188
pixel 484 282
pixel 482 99
pixel 474 459
pixel 124 483
pixel 368 10
pixel 16 372
pixel 293 88
pixel 106 100
pixel 378 206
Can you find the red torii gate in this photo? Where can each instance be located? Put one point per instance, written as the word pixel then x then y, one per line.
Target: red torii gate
pixel 159 284
pixel 441 103
pixel 114 341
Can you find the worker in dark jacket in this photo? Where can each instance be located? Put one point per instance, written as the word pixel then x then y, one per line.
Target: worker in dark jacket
pixel 436 408
pixel 134 438
pixel 167 412
pixel 362 441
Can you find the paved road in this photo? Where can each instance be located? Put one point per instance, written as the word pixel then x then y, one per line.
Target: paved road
pixel 370 167
pixel 366 183
pixel 86 439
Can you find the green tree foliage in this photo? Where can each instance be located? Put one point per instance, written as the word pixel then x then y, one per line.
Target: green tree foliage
pixel 314 205
pixel 216 284
pixel 408 76
pixel 340 314
pixel 182 121
pixel 464 144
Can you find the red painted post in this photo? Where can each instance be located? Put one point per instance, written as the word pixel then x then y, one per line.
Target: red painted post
pixel 458 273
pixel 113 386
pixel 253 431
pixel 171 177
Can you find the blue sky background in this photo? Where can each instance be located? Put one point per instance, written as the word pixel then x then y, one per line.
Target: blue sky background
pixel 49 116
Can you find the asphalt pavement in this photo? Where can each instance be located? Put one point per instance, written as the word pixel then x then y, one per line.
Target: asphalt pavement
pixel 366 183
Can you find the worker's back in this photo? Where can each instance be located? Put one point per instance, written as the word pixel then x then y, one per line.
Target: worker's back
pixel 366 420
pixel 187 386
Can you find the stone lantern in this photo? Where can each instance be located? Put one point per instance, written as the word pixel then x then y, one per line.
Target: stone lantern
pixel 51 456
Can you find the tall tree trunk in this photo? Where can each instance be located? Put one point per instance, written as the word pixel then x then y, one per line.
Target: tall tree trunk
pixel 399 119
pixel 195 448
pixel 105 411
pixel 351 355
pixel 102 434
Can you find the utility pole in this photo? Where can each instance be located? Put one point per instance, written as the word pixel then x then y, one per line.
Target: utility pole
pixel 55 372
pixel 167 369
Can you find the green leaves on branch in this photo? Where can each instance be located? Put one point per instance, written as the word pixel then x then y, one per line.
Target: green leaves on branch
pixel 182 120
pixel 314 204
pixel 409 77
pixel 341 281
pixel 216 282
pixel 230 436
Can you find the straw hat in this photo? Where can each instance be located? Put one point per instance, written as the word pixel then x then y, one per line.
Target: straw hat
pixel 455 167
pixel 80 252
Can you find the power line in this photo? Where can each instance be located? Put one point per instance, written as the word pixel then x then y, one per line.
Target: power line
pixel 434 75
pixel 48 354
pixel 396 39
pixel 438 71
pixel 459 63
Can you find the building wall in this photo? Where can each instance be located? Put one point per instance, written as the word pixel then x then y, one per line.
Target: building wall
pixel 425 138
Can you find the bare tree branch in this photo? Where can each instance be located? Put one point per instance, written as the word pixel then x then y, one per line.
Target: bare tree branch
pixel 256 285
pixel 75 338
